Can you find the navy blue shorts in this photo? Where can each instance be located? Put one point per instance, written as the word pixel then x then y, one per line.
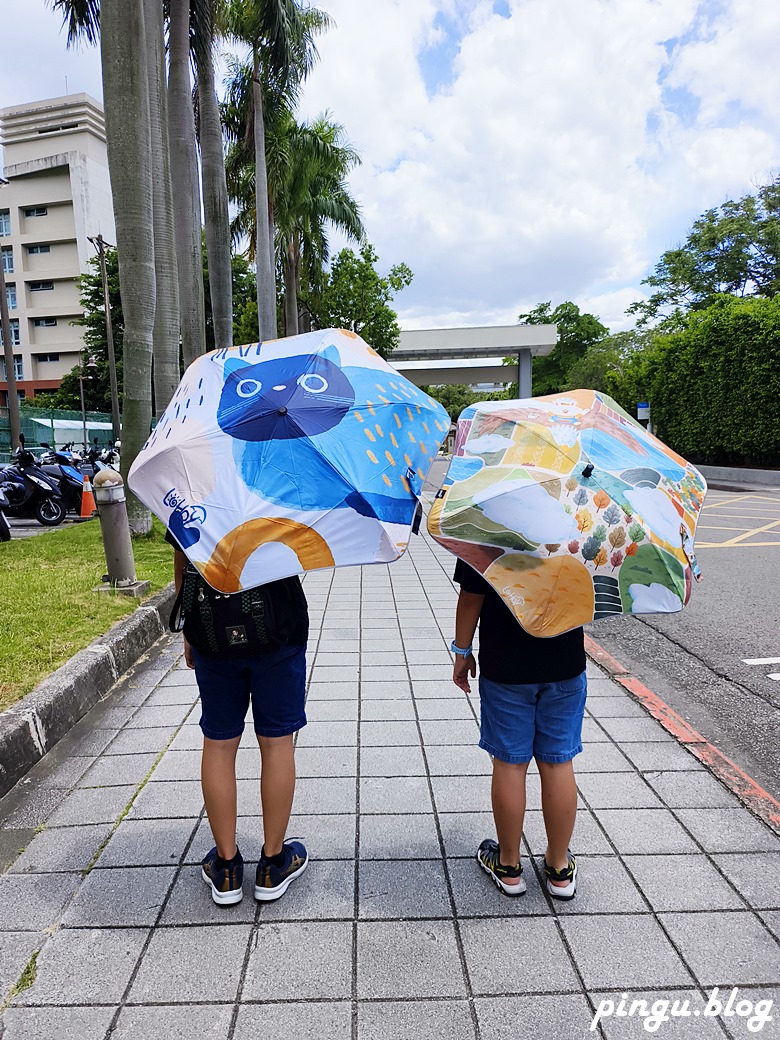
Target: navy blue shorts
pixel 275 683
pixel 537 720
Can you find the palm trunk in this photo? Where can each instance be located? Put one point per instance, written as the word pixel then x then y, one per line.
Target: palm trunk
pixel 185 184
pixel 290 291
pixel 166 320
pixel 215 204
pixel 266 279
pixel 126 98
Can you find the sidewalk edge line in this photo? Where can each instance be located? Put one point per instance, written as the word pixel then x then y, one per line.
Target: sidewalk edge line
pixel 749 792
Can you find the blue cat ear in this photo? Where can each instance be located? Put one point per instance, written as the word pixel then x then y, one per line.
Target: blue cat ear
pixel 330 353
pixel 233 365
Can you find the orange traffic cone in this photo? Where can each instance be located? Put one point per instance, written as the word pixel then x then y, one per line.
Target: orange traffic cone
pixel 88 507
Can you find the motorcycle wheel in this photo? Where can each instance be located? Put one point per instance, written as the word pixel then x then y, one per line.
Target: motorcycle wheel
pixel 50 512
pixel 5 529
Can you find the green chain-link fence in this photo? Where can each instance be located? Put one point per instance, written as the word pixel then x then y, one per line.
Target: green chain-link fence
pixel 56 426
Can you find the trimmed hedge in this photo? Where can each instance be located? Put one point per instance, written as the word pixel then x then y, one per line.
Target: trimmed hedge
pixel 714 386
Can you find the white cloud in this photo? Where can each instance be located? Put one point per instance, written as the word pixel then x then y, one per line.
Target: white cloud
pixel 568 146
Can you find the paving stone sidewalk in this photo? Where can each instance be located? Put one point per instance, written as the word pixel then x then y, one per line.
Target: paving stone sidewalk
pixel 393 932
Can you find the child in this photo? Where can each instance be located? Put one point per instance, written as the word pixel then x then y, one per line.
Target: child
pixel 275 682
pixel 532 695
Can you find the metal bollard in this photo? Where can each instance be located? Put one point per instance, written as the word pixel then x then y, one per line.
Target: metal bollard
pixel 110 499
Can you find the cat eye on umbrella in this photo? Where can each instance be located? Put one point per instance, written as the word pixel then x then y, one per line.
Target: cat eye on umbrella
pixel 277 458
pixel 570 510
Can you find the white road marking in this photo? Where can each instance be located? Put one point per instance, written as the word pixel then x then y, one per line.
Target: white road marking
pixel 774 675
pixel 761 660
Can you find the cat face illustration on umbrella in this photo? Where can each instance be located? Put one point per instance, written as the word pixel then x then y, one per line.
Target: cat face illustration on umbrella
pixel 303 452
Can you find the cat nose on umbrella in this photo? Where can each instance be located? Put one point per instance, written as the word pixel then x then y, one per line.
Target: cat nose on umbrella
pixel 282 387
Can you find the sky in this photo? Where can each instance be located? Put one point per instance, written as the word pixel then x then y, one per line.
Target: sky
pixel 515 151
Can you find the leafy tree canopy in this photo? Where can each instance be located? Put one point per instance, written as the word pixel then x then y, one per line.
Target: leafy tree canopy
pixel 453 396
pixel 356 297
pixel 734 249
pixel 577 332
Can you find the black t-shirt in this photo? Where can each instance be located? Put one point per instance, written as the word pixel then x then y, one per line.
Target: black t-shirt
pixel 289 605
pixel 507 653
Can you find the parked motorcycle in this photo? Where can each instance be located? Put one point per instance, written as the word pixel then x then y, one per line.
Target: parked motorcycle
pixel 67 477
pixel 31 492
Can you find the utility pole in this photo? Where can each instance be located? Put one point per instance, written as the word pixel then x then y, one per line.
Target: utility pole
pixel 100 245
pixel 10 371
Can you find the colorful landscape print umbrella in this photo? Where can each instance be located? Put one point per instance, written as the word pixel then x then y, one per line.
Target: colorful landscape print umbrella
pixel 290 455
pixel 570 510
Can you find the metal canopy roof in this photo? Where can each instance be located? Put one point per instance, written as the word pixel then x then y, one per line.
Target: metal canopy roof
pixel 431 357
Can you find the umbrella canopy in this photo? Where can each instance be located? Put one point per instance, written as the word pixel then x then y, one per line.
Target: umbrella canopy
pixel 286 456
pixel 570 509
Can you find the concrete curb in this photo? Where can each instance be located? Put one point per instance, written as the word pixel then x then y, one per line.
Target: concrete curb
pixel 730 775
pixel 748 479
pixel 33 726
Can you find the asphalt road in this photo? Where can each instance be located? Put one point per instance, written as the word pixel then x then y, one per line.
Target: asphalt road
pixel 696 659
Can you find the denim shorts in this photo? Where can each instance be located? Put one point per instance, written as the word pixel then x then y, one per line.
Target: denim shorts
pixel 275 683
pixel 537 720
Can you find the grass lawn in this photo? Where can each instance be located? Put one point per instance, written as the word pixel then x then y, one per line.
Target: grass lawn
pixel 49 609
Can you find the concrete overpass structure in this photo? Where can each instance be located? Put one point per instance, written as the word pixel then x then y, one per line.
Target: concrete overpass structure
pixel 431 357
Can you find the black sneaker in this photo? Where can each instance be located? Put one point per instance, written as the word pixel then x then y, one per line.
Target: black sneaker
pixel 272 881
pixel 569 874
pixel 226 881
pixel 488 857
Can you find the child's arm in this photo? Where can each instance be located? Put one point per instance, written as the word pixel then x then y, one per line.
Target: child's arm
pixel 466 619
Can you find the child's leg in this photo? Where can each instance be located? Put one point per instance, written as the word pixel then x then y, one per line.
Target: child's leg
pixel 508 799
pixel 559 808
pixel 218 779
pixel 277 788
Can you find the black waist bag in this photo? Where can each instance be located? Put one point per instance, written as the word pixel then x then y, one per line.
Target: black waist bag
pixel 241 622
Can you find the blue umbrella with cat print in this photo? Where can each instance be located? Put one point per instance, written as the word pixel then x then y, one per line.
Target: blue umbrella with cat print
pixel 281 457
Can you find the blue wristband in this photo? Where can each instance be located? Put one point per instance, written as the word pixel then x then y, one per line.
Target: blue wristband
pixel 457 650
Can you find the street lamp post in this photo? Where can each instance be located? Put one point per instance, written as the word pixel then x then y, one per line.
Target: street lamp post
pixel 101 246
pixel 91 363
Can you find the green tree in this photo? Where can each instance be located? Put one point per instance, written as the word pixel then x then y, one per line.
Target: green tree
pixel 577 332
pixel 281 36
pixel 453 396
pixel 310 194
pixel 244 302
pixel 356 297
pixel 604 363
pixel 733 248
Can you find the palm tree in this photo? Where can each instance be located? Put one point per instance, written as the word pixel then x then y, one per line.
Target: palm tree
pixel 122 33
pixel 166 371
pixel 186 187
pixel 212 158
pixel 311 194
pixel 128 137
pixel 281 36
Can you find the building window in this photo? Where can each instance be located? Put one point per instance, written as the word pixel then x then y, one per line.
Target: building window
pixel 14 333
pixel 8 259
pixel 5 222
pixel 36 211
pixel 10 295
pixel 38 249
pixel 18 370
pixel 44 323
pixel 41 286
pixel 48 357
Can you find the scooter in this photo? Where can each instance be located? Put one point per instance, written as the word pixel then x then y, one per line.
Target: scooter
pixel 30 491
pixel 61 467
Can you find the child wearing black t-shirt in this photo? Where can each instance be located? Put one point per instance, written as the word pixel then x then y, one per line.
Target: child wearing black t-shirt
pixel 532 694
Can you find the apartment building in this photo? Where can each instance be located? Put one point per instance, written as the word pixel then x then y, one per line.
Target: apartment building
pixel 55 195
